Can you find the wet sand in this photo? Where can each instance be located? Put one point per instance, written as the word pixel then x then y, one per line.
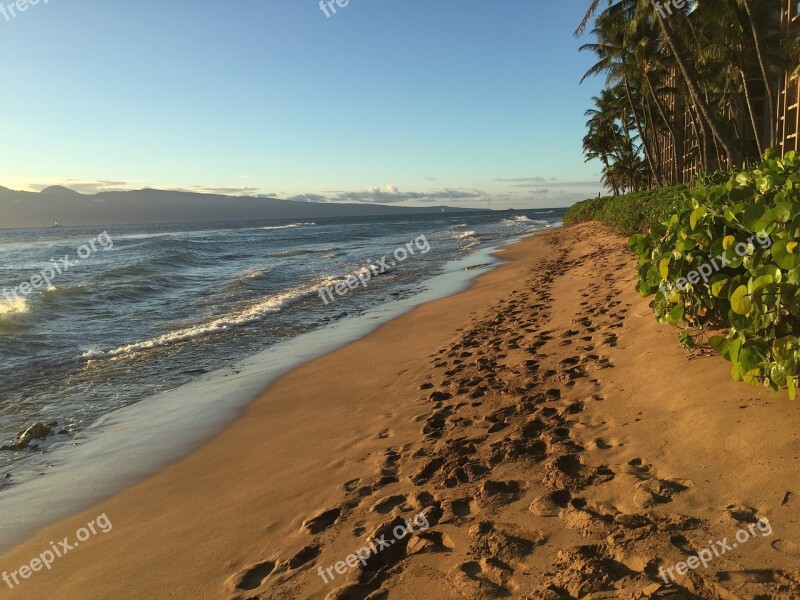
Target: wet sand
pixel 541 433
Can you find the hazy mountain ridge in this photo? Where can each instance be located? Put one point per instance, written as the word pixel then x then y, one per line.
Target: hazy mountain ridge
pixel 57 203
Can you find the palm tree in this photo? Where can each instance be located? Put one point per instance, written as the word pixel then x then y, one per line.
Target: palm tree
pixel 657 44
pixel 603 138
pixel 615 61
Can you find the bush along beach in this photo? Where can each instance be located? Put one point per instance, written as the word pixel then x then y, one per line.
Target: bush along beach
pixel 628 213
pixel 724 266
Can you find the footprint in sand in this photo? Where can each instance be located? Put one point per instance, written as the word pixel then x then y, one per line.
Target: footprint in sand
pixel 550 504
pixel 321 522
pixel 506 545
pixel 742 514
pixel 586 568
pixel 787 547
pixel 600 444
pixel 252 577
pixel 484 579
pixel 652 492
pixel 305 556
pixel 387 505
pixel 465 507
pixel 568 471
pixel 505 491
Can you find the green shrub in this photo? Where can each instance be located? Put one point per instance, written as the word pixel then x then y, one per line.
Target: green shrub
pixel 711 179
pixel 629 213
pixel 728 258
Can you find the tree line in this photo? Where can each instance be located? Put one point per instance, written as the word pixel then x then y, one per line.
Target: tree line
pixel 696 84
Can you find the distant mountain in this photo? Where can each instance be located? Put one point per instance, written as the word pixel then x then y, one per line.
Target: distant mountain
pixel 55 190
pixel 28 209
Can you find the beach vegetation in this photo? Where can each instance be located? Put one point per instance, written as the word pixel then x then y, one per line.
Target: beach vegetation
pixel 724 266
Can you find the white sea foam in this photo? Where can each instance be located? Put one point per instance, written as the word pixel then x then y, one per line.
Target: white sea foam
pixel 252 314
pixel 289 226
pixel 517 220
pixel 9 310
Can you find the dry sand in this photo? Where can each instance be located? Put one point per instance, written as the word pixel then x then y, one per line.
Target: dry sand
pixel 556 439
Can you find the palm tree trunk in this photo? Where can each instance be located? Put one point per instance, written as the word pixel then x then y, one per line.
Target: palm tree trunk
pixel 604 159
pixel 762 65
pixel 668 125
pixel 700 133
pixel 752 114
pixel 642 135
pixel 650 123
pixel 689 75
pixel 717 153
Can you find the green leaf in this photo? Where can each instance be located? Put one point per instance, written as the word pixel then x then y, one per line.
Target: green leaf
pixel 637 244
pixel 740 301
pixel 785 254
pixel 663 268
pixel 751 357
pixel 721 345
pixel 697 214
pixel 676 314
pixel 719 285
pixel 784 348
pixel 752 216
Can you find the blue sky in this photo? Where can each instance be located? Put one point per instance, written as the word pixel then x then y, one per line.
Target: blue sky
pixel 456 102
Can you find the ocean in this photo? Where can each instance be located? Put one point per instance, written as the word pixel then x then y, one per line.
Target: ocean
pixel 160 306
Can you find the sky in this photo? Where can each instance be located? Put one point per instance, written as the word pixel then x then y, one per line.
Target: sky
pixel 457 102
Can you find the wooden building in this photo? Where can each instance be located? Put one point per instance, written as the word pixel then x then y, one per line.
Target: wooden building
pixel 788 121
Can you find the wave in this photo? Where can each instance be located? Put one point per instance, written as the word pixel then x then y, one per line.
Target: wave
pixel 246 316
pixel 77 290
pixel 522 220
pixel 460 235
pixel 14 315
pixel 298 252
pixel 289 226
pixel 257 275
pixel 517 220
pixel 154 263
pixel 10 309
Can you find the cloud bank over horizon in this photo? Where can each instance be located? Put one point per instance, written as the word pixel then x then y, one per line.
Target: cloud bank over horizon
pixel 498 193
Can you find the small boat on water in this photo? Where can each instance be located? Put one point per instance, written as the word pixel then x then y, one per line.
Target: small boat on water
pixel 56 224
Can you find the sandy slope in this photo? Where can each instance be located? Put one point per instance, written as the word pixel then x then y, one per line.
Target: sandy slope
pixel 554 439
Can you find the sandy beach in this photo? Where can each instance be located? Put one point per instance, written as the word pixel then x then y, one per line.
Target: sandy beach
pixel 536 436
